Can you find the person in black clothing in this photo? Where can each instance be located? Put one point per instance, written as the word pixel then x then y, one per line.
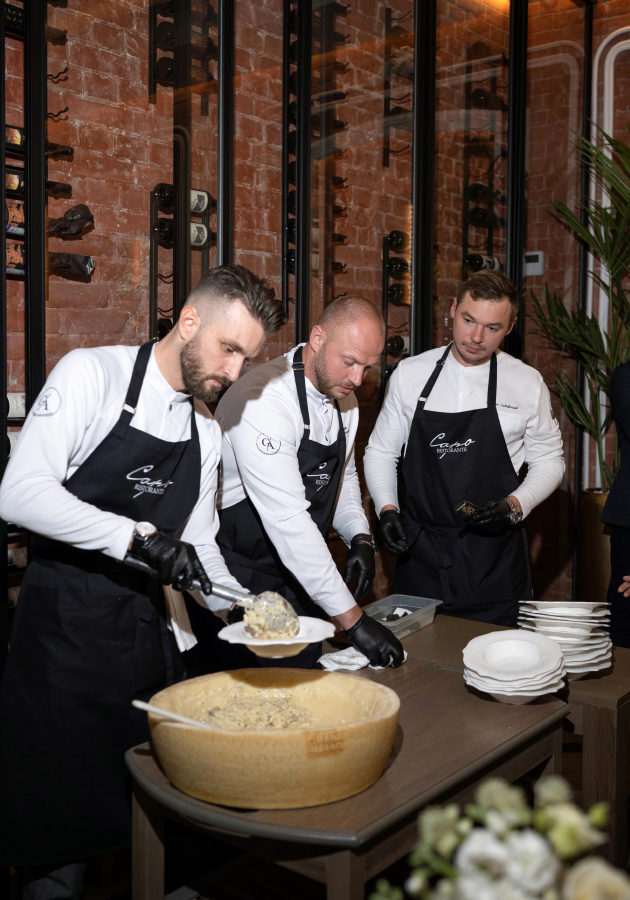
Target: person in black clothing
pixel 617 512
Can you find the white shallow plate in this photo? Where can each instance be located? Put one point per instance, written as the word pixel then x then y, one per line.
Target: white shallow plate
pixel 571 640
pixel 311 631
pixel 596 667
pixel 542 678
pixel 550 617
pixel 512 655
pixel 550 604
pixel 561 609
pixel 546 628
pixel 490 687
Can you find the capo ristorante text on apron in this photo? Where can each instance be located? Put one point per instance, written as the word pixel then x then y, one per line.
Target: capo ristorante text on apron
pixel 246 548
pixel 90 635
pixel 478 574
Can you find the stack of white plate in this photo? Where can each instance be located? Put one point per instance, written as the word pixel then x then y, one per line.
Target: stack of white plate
pixel 514 666
pixel 581 630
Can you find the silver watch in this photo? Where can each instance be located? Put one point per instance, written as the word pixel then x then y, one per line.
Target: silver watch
pixel 144 530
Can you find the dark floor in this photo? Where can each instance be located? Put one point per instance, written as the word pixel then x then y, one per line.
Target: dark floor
pixel 197 866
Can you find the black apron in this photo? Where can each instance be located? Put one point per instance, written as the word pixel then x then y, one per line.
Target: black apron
pixel 453 457
pixel 90 635
pixel 251 557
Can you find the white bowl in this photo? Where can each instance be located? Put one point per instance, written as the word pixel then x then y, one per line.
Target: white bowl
pixel 488 685
pixel 512 655
pixel 511 684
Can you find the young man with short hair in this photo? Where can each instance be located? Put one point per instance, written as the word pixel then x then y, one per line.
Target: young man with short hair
pixel 469 417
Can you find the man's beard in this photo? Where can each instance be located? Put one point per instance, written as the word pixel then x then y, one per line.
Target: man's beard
pixel 195 378
pixel 325 385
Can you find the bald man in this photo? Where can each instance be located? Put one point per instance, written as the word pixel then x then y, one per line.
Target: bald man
pixel 288 473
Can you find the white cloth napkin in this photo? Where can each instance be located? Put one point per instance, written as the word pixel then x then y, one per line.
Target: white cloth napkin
pixel 346 659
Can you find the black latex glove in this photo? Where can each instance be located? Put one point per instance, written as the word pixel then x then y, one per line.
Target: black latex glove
pixel 360 559
pixel 392 532
pixel 376 642
pixel 235 614
pixel 175 562
pixel 492 515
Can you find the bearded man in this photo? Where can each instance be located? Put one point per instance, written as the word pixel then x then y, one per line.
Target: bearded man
pixel 118 458
pixel 288 473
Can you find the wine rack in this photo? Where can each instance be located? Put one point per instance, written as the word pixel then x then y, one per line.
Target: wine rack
pixel 396 290
pixel 162 230
pixel 484 156
pixel 201 47
pixel 399 66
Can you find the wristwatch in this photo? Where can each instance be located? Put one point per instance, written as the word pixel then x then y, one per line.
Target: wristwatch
pixel 141 531
pixel 365 539
pixel 516 515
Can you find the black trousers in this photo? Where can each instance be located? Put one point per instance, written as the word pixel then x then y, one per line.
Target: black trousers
pixel 620 605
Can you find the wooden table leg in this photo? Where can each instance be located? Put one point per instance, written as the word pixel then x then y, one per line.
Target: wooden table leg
pixel 554 765
pixel 147 867
pixel 345 876
pixel 605 773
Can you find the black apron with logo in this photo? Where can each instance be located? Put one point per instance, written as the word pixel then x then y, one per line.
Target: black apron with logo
pixel 248 551
pixel 453 457
pixel 90 635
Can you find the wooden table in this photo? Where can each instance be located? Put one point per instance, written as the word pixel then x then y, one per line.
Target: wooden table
pixel 599 703
pixel 448 740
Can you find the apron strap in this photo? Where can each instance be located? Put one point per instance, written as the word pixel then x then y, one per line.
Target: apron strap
pixel 492 382
pixel 298 373
pixel 435 374
pixel 135 385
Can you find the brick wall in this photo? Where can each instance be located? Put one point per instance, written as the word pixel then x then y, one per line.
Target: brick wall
pixel 123 147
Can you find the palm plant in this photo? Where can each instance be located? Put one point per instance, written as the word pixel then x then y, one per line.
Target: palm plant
pixel 607 235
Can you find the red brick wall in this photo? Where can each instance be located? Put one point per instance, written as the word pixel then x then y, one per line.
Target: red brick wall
pixel 123 147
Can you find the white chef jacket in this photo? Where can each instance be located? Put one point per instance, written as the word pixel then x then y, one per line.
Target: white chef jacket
pixel 530 428
pixel 79 405
pixel 264 405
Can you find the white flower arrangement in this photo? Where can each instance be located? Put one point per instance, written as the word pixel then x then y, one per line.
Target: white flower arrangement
pixel 501 849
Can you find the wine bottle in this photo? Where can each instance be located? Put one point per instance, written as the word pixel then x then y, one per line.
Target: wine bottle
pixel 202 13
pixel 163 327
pixel 61 263
pixel 293 52
pixel 14 181
pixel 338 210
pixel 164 196
pixel 324 147
pixel 397 267
pixel 292 202
pixel 338 266
pixel 481 193
pixel 201 46
pixel 16 406
pixel 71 264
pixel 291 231
pixel 164 233
pixel 398 31
pixel 14 217
pixel 15 25
pixel 398 294
pixel 165 74
pixel 340 10
pixel 397 240
pixel 397 344
pixel 73 221
pixel 15 142
pixel 291 260
pixel 401 118
pixel 338 181
pixel 338 238
pixel 12 439
pixel 17 557
pixel 477 262
pixel 340 38
pixel 480 99
pixel 485 218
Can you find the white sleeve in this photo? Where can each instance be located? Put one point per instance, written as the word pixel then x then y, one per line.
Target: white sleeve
pixel 544 455
pixel 201 531
pixel 384 448
pixel 350 518
pixel 32 493
pixel 274 485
